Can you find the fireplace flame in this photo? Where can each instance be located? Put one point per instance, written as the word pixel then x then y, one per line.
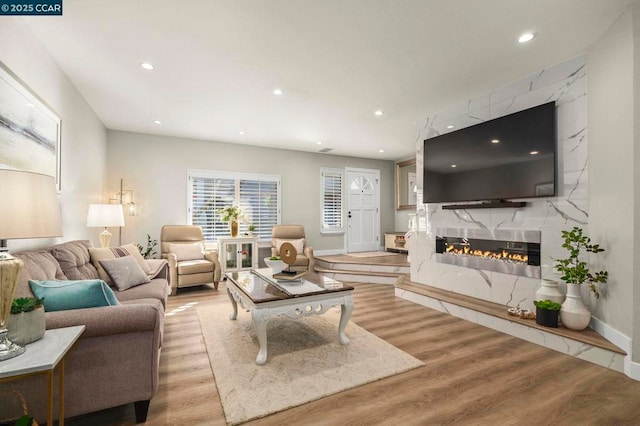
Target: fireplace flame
pixel 502 255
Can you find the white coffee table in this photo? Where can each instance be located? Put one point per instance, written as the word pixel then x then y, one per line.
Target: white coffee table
pixel 258 292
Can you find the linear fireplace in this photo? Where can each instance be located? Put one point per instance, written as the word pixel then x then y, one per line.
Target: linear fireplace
pixel 508 251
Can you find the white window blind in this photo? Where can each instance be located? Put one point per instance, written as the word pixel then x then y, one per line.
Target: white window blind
pixel 331 193
pixel 257 195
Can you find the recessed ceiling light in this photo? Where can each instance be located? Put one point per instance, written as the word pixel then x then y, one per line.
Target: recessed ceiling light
pixel 147 66
pixel 450 126
pixel 382 150
pixel 278 92
pixel 534 152
pixel 526 37
pixel 157 122
pixel 495 140
pixel 454 165
pixel 379 113
pixel 319 143
pixel 30 105
pixel 241 133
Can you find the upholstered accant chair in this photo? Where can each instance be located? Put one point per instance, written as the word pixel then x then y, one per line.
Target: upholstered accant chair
pixel 293 234
pixel 189 263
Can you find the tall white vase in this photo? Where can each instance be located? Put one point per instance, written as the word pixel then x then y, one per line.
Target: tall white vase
pixel 573 313
pixel 549 290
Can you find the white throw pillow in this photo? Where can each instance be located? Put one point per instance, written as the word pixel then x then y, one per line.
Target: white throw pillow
pixel 190 251
pixel 297 244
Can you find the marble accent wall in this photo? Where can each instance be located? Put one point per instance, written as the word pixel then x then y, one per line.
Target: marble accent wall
pixel 566 84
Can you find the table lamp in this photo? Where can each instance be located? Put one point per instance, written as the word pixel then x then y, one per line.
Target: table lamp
pixel 105 215
pixel 29 210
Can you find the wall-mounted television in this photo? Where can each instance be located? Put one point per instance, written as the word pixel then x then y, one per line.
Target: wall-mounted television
pixel 513 156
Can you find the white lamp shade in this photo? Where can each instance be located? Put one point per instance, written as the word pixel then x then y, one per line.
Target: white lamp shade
pixel 105 215
pixel 29 206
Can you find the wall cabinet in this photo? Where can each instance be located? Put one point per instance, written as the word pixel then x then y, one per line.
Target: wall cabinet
pixel 238 254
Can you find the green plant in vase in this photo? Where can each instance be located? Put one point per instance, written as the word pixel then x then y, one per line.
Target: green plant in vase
pixel 231 214
pixel 25 304
pixel 547 312
pixel 575 271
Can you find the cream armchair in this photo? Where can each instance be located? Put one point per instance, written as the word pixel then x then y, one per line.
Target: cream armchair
pixel 293 234
pixel 189 263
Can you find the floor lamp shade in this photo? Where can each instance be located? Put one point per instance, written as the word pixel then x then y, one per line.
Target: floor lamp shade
pixel 29 210
pixel 105 215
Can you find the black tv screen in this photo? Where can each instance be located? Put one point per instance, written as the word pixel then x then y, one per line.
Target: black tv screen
pixel 513 156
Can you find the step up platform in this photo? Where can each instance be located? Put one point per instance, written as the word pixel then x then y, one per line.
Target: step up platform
pixel 378 270
pixel 586 344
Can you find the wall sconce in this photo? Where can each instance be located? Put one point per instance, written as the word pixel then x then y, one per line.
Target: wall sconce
pixel 125 197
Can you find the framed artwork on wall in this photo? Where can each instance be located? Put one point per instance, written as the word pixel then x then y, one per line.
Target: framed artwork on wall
pixel 29 129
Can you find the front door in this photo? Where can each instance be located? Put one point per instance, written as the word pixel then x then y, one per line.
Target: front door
pixel 363 212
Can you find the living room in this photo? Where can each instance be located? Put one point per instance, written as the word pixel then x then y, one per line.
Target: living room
pixel 96 155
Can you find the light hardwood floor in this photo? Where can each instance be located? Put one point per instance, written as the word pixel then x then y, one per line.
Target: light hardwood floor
pixel 473 375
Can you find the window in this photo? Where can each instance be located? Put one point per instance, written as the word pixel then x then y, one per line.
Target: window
pixel 331 191
pixel 257 195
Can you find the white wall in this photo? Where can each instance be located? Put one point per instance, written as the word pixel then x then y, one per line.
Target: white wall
pixel 155 167
pixel 83 137
pixel 614 171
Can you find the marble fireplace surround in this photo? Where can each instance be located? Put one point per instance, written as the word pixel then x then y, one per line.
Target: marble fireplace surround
pixel 565 84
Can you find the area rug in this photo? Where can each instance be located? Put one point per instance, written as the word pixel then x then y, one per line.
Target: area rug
pixel 372 254
pixel 305 361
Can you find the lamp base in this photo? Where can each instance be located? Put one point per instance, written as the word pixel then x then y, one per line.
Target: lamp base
pixel 105 238
pixel 8 349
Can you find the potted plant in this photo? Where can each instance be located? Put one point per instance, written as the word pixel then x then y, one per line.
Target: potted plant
pixel 231 214
pixel 575 271
pixel 547 312
pixel 251 228
pixel 275 263
pixel 26 323
pixel 150 251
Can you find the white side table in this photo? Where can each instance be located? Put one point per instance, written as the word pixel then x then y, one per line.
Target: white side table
pixel 42 357
pixel 238 254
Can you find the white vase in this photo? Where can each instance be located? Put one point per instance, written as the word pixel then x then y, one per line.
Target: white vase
pixel 26 327
pixel 549 290
pixel 573 313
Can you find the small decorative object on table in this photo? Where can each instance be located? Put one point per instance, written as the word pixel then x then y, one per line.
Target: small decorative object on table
pixel 547 312
pixel 573 313
pixel 251 228
pixel 27 322
pixel 521 313
pixel 275 263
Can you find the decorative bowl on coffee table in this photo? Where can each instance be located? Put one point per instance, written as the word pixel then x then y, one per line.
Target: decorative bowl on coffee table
pixel 275 265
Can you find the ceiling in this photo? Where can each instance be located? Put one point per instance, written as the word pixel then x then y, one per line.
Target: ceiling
pixel 218 62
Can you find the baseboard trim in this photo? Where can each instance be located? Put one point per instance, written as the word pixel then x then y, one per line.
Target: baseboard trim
pixel 631 369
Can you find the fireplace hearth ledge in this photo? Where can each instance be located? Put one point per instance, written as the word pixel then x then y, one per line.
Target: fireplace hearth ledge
pixel 586 344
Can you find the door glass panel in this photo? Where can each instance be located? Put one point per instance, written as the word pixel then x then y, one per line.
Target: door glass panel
pixel 247 255
pixel 232 256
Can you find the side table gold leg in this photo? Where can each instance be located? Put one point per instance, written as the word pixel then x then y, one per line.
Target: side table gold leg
pixel 50 397
pixel 61 394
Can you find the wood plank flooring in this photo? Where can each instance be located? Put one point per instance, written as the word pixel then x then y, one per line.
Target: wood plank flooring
pixel 473 375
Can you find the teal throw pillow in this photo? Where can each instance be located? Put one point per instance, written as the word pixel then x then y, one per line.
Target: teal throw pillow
pixel 65 295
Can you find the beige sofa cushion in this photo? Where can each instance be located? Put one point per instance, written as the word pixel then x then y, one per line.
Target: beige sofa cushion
pixel 188 251
pixel 297 243
pixel 38 265
pixel 74 260
pixel 194 267
pixel 106 253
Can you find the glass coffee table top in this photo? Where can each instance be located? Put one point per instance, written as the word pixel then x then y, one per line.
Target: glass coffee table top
pixel 260 286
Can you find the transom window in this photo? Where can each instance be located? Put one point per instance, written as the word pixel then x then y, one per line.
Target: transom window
pixel 258 196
